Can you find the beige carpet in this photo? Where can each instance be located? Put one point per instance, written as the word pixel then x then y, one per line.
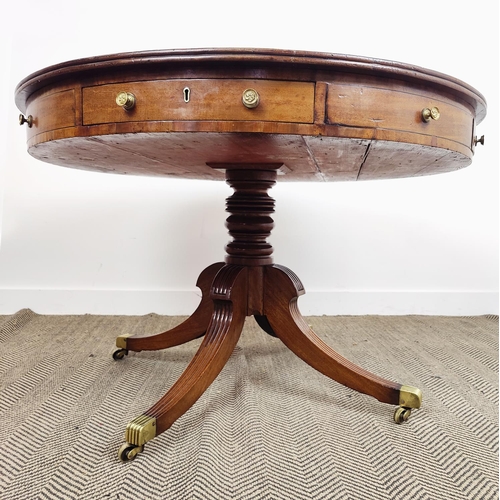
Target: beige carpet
pixel 269 427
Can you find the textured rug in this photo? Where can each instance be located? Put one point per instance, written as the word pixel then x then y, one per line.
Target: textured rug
pixel 269 427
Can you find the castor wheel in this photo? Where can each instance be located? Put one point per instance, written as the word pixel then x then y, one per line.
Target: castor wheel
pixel 128 452
pixel 401 415
pixel 120 354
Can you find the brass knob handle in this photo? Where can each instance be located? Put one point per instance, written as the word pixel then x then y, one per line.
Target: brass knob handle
pixel 126 100
pixel 250 98
pixel 479 141
pixel 430 114
pixel 28 120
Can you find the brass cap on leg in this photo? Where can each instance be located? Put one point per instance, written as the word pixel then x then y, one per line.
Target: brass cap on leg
pixel 121 340
pixel 141 430
pixel 410 397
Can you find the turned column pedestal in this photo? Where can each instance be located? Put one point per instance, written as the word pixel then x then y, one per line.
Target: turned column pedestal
pixel 247 284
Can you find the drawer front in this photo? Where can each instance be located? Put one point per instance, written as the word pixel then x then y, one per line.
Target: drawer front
pixel 165 100
pixel 52 112
pixel 367 107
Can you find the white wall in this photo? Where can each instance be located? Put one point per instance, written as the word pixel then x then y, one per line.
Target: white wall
pixel 80 242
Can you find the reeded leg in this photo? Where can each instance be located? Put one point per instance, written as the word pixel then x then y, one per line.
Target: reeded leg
pixel 194 327
pixel 281 291
pixel 229 295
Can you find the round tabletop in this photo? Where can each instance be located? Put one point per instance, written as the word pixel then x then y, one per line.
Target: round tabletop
pixel 188 113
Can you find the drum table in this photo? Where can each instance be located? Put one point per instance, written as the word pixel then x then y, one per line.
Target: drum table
pixel 251 117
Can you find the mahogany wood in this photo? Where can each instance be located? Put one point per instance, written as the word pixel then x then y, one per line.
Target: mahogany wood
pixel 210 99
pixel 321 117
pixel 228 293
pixel 194 327
pixel 282 288
pixel 249 285
pixel 250 222
pixel 313 108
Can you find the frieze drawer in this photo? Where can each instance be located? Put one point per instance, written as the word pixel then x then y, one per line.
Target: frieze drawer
pixel 199 100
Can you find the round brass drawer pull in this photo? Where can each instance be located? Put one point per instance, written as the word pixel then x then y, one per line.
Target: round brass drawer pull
pixel 479 140
pixel 430 114
pixel 126 100
pixel 250 98
pixel 28 120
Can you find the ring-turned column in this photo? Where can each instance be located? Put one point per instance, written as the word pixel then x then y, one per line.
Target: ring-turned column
pixel 250 222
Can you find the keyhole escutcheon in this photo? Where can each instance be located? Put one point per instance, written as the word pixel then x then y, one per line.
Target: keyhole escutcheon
pixel 187 94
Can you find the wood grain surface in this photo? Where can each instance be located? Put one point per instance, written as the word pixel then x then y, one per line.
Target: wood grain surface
pixel 325 117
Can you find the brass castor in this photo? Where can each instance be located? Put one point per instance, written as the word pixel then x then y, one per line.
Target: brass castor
pixel 128 452
pixel 120 354
pixel 402 414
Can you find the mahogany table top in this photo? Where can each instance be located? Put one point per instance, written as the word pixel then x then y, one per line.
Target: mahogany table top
pixel 324 117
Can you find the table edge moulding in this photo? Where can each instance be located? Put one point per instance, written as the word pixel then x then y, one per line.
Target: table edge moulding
pixel 250 117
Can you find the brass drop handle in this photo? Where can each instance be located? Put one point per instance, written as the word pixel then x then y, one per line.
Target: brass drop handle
pixel 126 100
pixel 250 98
pixel 430 114
pixel 28 120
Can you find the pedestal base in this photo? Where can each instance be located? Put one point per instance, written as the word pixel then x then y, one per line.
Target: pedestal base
pixel 230 293
pixel 248 284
